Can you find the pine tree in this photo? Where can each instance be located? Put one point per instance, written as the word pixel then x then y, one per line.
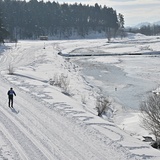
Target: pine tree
pixel 121 25
pixel 3 32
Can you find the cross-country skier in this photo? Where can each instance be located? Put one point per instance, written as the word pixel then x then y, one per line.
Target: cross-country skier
pixel 10 97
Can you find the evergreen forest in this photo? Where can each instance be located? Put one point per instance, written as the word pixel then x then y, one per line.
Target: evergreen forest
pixel 29 20
pixel 3 31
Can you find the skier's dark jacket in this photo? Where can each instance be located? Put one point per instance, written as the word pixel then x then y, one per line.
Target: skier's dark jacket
pixel 11 93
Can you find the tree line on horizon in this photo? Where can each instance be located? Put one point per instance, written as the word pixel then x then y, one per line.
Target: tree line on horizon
pixel 29 20
pixel 148 30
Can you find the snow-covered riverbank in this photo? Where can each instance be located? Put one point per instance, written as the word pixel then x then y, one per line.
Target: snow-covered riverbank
pixel 47 124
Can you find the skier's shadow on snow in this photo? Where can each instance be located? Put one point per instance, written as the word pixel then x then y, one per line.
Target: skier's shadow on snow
pixel 14 110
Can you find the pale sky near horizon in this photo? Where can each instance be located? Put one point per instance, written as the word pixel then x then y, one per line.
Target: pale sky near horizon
pixel 134 11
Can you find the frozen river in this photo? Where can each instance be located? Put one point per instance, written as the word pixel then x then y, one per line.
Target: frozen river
pixel 112 79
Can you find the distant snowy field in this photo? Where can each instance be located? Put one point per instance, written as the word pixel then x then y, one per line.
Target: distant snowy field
pixel 53 123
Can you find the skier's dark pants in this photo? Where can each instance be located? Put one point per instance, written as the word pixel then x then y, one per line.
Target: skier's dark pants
pixel 10 102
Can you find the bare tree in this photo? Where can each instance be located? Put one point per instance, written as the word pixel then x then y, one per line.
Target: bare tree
pixel 102 105
pixel 62 81
pixel 150 110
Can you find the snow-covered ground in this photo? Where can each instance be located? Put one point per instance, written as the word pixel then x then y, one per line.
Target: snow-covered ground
pixel 47 123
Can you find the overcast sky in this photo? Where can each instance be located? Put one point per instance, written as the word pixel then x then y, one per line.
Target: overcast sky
pixel 134 11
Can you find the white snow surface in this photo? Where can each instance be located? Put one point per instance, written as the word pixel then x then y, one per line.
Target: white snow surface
pixel 46 123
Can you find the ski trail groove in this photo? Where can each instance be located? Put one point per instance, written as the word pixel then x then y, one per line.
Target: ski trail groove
pixel 31 121
pixel 29 137
pixel 16 145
